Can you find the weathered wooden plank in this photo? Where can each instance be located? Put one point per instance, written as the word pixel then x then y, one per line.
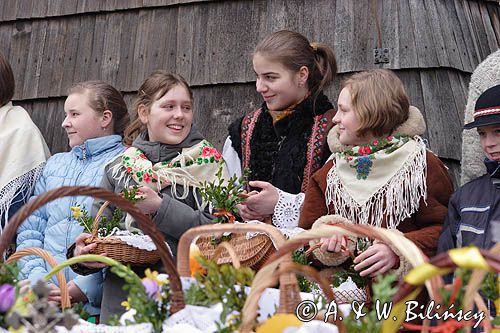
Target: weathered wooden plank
pixel 110 56
pixel 73 30
pixel 19 42
pixel 389 19
pixel 456 32
pixel 158 51
pixel 6 33
pixel 61 7
pixel 38 9
pixel 343 43
pixel 24 9
pixel 494 13
pixel 479 29
pixel 140 61
pixel 364 36
pixel 488 23
pixel 9 10
pixel 440 35
pixel 125 79
pixel 407 45
pixel 425 46
pixel 84 49
pixel 35 58
pixel 51 60
pixel 443 123
pixel 96 61
pixel 464 16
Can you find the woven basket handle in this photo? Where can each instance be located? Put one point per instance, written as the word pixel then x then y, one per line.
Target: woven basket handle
pixel 95 223
pixel 230 250
pixel 268 277
pixel 188 237
pixel 63 285
pixel 443 263
pixel 144 222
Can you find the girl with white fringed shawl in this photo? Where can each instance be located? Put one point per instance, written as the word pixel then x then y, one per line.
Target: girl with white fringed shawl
pixel 380 174
pixel 23 150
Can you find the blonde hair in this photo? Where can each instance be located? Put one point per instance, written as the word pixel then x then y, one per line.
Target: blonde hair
pixel 153 88
pixel 293 51
pixel 101 97
pixel 379 100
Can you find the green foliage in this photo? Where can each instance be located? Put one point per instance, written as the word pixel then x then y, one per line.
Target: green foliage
pixel 80 311
pixel 105 225
pixel 224 196
pixel 342 276
pixel 9 273
pixel 300 257
pixel 148 310
pixel 384 288
pixel 224 284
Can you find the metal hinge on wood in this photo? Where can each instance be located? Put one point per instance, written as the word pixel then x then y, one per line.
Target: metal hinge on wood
pixel 381 55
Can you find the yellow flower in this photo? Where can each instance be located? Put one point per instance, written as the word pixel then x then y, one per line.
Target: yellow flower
pixel 126 305
pixel 77 211
pixel 153 275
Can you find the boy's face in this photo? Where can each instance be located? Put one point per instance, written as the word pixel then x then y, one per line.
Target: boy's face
pixel 489 137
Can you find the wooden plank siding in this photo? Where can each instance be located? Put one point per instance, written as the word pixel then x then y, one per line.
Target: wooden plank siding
pixel 434 46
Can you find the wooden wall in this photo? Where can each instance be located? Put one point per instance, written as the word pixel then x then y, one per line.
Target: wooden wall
pixel 434 46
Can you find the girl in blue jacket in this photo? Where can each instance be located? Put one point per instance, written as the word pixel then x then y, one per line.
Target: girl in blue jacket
pixel 96 116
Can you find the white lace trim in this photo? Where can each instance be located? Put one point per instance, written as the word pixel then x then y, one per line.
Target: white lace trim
pixel 287 210
pixel 143 242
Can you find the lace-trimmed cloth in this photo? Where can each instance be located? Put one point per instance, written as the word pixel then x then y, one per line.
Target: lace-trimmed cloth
pixel 23 151
pixel 388 191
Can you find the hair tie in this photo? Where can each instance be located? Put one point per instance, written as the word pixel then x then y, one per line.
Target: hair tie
pixel 314 46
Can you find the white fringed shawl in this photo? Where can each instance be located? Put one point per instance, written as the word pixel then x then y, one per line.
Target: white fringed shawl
pixel 391 193
pixel 23 153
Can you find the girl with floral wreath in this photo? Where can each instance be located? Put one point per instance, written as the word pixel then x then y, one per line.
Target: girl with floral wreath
pixel 380 174
pixel 168 160
pixel 284 141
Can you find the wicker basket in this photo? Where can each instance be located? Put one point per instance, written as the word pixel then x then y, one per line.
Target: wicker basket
pixel 251 252
pixel 117 249
pixel 289 297
pixel 63 285
pixel 443 263
pixel 144 222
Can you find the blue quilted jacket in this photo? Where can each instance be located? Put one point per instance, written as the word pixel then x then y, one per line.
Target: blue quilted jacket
pixel 52 226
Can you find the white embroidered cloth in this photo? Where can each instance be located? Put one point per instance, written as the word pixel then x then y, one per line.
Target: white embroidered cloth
pixel 139 241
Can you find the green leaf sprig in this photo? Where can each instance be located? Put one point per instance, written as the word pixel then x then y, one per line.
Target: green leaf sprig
pixel 224 196
pixel 224 284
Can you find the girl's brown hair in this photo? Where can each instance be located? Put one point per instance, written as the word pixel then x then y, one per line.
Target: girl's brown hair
pixel 153 88
pixel 379 99
pixel 293 50
pixel 7 82
pixel 102 96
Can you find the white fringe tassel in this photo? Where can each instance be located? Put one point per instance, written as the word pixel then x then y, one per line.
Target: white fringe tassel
pixel 24 183
pixel 395 201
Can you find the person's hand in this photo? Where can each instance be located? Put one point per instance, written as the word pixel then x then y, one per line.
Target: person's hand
pixel 247 214
pixel 75 294
pixel 263 202
pixel 54 294
pixel 150 202
pixel 376 260
pixel 335 243
pixel 82 248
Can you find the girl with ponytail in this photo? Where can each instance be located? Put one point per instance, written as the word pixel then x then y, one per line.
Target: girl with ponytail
pixel 284 141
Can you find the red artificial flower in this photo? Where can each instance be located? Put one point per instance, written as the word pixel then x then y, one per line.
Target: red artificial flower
pixel 349 158
pixel 129 170
pixel 389 138
pixel 365 150
pixel 206 152
pixel 376 142
pixel 146 177
pixel 217 155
